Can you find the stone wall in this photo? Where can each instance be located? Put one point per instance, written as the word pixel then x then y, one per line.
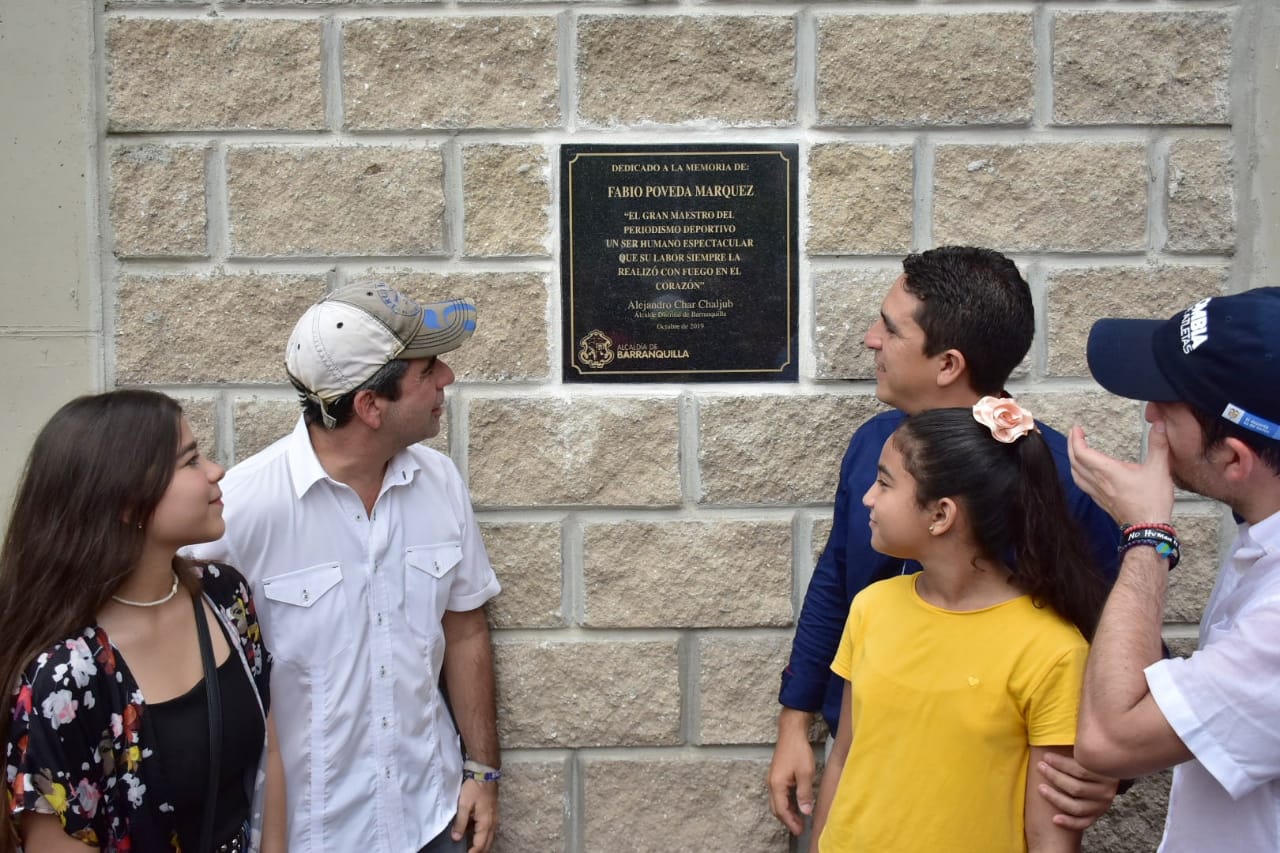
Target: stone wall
pixel 655 541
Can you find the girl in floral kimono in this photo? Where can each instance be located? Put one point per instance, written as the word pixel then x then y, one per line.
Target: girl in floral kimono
pixel 105 709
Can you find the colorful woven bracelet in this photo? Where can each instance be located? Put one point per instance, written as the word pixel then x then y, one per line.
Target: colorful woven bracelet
pixel 480 772
pixel 1165 543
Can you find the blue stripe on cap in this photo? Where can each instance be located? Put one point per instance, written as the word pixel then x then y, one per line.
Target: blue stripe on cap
pixel 1251 422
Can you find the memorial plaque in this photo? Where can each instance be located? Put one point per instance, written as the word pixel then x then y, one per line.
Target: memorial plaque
pixel 678 262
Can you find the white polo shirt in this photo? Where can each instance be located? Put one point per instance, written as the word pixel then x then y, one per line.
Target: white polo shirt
pixel 350 606
pixel 1224 702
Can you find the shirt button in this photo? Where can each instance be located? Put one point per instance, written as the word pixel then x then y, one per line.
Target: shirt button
pixel 379 618
pixel 384 722
pixel 382 672
pixel 387 772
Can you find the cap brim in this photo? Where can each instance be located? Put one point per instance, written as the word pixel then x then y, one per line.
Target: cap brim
pixel 445 326
pixel 1122 360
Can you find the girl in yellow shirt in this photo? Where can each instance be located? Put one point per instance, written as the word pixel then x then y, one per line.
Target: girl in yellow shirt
pixel 960 677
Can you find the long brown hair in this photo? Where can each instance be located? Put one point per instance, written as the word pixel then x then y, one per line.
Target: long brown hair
pixel 95 475
pixel 1014 497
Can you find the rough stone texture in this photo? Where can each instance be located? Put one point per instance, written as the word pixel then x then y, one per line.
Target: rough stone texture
pixel 506 193
pixel 512 310
pixel 1070 197
pixel 157 201
pixel 201 74
pixel 1135 821
pixel 687 574
pixel 846 304
pixel 373 200
pixel 775 449
pixel 164 333
pixel 201 414
pixel 1130 67
pixel 738 687
pixel 860 199
pixel 1076 298
pixel 925 69
pixel 527 560
pixel 1112 424
pixel 709 69
pixel 591 451
pixel 820 531
pixel 566 694
pixel 647 806
pixel 485 71
pixel 260 422
pixel 1200 197
pixel 534 804
pixel 1190 584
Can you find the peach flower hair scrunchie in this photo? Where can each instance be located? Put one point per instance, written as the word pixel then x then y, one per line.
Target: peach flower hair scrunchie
pixel 1007 420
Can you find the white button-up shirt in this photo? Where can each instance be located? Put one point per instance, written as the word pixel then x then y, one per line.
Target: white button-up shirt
pixel 351 606
pixel 1224 703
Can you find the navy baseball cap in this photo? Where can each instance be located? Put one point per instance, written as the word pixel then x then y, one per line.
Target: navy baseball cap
pixel 1221 355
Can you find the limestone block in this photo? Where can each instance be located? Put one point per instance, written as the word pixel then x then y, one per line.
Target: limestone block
pixel 202 415
pixel 1112 424
pixel 372 200
pixel 1200 197
pixel 571 694
pixel 158 200
pixel 213 74
pixel 687 574
pixel 526 557
pixel 925 69
pixel 1049 196
pixel 534 805
pixel 1141 67
pixel 860 199
pixel 260 422
pixel 1078 297
pixel 649 806
pixel 704 69
pixel 819 533
pixel 164 333
pixel 846 305
pixel 1201 539
pixel 511 339
pixel 459 72
pixel 738 680
pixel 506 193
pixel 589 451
pixel 775 449
pixel 1135 821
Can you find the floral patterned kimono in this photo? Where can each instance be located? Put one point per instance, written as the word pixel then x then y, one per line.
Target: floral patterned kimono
pixel 80 741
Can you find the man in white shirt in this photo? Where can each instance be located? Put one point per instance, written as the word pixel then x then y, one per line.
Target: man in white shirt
pixel 1212 376
pixel 369 578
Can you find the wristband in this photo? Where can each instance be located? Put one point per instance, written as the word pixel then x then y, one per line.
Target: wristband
pixel 480 772
pixel 1158 536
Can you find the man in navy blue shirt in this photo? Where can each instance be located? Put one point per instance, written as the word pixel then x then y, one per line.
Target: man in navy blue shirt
pixel 952 328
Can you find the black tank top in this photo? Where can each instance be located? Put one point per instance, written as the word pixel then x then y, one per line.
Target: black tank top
pixel 181 728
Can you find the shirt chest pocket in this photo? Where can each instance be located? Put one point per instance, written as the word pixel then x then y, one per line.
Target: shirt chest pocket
pixel 428 576
pixel 305 619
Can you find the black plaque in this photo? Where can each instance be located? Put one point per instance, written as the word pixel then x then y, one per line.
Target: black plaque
pixel 679 262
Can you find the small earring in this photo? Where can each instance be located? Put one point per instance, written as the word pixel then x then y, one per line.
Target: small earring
pixel 140 526
pixel 930 528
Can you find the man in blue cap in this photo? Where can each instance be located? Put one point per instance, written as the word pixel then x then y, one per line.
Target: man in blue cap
pixel 1211 376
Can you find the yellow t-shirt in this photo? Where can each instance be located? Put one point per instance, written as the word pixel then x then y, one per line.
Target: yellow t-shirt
pixel 945 708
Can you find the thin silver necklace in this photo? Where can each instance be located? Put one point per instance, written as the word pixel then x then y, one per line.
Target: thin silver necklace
pixel 172 592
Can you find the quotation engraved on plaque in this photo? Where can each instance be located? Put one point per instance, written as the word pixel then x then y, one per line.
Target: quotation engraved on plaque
pixel 679 262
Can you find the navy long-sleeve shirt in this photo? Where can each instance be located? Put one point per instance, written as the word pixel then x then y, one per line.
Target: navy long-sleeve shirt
pixel 849 563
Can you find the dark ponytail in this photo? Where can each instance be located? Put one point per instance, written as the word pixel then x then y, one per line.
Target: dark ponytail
pixel 1013 497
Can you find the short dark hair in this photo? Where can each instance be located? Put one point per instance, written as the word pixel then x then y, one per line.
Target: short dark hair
pixel 975 301
pixel 384 383
pixel 1216 429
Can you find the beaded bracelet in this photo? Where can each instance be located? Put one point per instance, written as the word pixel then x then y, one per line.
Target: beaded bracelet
pixel 480 772
pixel 1167 528
pixel 1158 536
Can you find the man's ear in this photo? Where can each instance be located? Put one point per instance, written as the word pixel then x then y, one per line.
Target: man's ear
pixel 367 406
pixel 951 367
pixel 1235 459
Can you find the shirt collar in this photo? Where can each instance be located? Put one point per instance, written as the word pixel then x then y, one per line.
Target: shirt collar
pixel 305 469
